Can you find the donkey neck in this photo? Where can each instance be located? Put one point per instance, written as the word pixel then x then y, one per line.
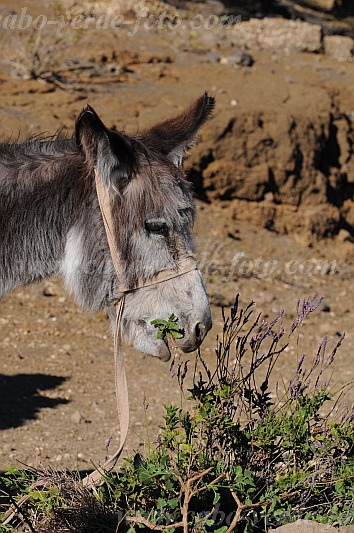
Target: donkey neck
pixel 50 222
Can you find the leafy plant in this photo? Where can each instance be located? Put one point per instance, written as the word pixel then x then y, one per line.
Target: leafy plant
pixel 168 327
pixel 241 454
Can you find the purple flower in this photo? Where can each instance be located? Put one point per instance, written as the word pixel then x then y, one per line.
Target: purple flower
pixel 172 370
pixel 351 417
pixel 318 378
pixel 320 352
pixel 264 329
pixel 264 414
pixel 295 389
pixel 277 318
pixel 304 308
pixel 308 306
pixel 334 351
pixel 301 360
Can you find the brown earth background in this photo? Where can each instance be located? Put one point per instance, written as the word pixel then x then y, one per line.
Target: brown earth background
pixel 273 174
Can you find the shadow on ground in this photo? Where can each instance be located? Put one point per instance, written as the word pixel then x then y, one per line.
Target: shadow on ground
pixel 21 397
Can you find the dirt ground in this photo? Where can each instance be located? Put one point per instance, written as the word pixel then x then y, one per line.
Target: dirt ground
pixel 292 225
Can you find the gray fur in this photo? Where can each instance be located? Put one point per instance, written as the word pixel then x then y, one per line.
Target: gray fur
pixel 51 225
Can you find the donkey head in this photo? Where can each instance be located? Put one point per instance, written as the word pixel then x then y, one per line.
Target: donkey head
pixel 153 211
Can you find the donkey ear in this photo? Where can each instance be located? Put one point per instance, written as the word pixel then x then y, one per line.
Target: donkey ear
pixel 173 136
pixel 111 153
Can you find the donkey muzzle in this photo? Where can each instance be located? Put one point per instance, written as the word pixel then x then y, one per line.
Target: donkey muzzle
pixel 198 333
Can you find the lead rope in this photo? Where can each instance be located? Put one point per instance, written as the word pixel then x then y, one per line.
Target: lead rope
pixel 184 266
pixel 122 400
pixel 121 387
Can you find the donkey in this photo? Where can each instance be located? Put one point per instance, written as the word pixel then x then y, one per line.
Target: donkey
pixel 51 223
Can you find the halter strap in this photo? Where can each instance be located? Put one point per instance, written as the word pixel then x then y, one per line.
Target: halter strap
pixel 182 267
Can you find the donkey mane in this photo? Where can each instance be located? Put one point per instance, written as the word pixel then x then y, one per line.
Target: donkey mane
pixel 38 149
pixel 37 143
pixel 37 160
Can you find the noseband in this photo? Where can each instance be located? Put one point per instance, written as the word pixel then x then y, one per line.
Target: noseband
pixel 182 267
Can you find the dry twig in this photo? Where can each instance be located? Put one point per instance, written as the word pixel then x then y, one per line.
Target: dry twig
pixel 242 506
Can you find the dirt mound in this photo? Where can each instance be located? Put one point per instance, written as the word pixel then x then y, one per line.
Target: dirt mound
pixel 290 171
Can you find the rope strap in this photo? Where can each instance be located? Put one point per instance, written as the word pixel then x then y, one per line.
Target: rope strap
pixel 184 266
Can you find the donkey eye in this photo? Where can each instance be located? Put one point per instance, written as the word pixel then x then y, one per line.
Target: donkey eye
pixel 156 227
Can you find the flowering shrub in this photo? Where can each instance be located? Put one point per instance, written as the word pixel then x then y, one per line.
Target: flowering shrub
pixel 241 455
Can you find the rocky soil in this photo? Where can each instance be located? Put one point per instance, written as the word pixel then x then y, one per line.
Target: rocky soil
pixel 274 179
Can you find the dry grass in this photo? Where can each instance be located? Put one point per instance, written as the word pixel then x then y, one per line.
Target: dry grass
pixel 70 508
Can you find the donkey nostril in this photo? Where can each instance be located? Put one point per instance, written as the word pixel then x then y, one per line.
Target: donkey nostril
pixel 200 332
pixel 196 335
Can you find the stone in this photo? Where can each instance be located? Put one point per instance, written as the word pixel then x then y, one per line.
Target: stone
pixel 308 526
pixel 324 5
pixel 212 57
pixel 350 116
pixel 49 289
pixel 338 47
pixel 76 417
pixel 278 34
pixel 324 307
pixel 347 212
pixel 344 236
pixel 269 197
pixel 211 8
pixel 240 57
